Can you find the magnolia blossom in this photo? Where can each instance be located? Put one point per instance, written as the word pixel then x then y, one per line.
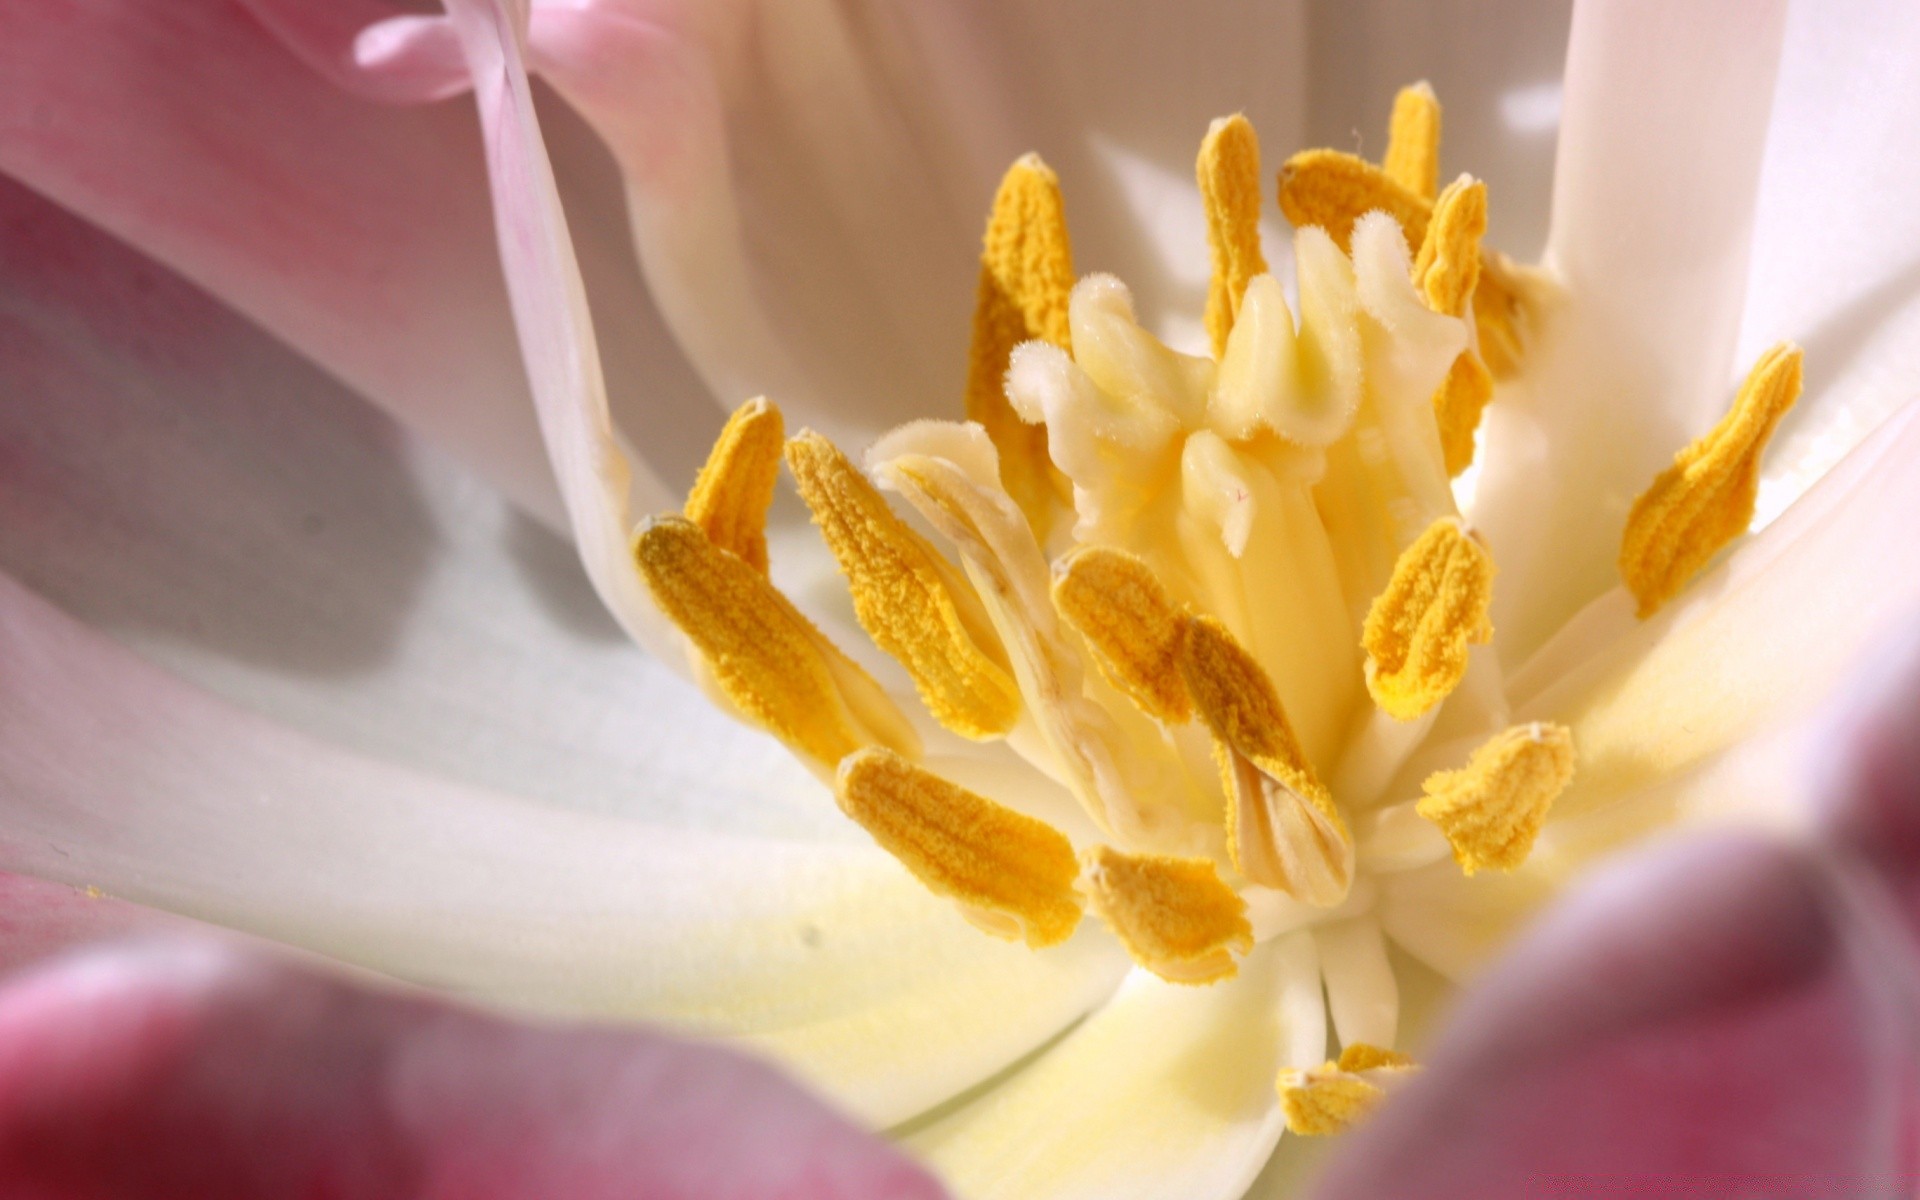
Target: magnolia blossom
pixel 275 665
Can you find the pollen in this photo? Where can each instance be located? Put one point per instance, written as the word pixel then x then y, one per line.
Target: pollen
pixel 1492 809
pixel 1026 275
pixel 767 659
pixel 1229 174
pixel 1327 1099
pixel 1705 499
pixel 1131 624
pixel 1417 632
pixel 1413 140
pixel 913 603
pixel 1333 190
pixel 1283 830
pixel 734 489
pixel 1011 874
pixel 1447 271
pixel 1175 916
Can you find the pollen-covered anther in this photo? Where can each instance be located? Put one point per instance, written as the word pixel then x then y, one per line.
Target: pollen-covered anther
pixel 1026 276
pixel 762 655
pixel 1175 916
pixel 1417 633
pixel 1491 809
pixel 1326 1099
pixel 1131 624
pixel 1333 190
pixel 1012 875
pixel 1229 175
pixel 1283 830
pixel 1705 499
pixel 734 489
pixel 1447 271
pixel 910 600
pixel 1413 140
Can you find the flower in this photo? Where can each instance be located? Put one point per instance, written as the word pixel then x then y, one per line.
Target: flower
pixel 829 957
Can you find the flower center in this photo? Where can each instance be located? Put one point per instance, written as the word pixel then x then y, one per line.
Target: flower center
pixel 1219 601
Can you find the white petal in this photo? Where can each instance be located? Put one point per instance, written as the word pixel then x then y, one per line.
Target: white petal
pixel 1167 1091
pixel 831 958
pixel 1660 147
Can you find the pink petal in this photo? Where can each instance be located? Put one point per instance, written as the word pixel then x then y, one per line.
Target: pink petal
pixel 1691 1022
pixel 39 918
pixel 195 1071
pixel 359 234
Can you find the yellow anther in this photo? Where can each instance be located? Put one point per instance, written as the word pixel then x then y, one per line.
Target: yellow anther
pixel 1417 631
pixel 1446 271
pixel 1448 264
pixel 1229 174
pixel 1283 830
pixel 1130 622
pixel 1327 1099
pixel 764 656
pixel 1332 189
pixel 1026 274
pixel 911 601
pixel 1705 499
pixel 1413 140
pixel 1012 875
pixel 734 489
pixel 1492 809
pixel 1174 915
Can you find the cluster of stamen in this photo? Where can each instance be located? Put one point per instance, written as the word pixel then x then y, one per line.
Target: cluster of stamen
pixel 1184 587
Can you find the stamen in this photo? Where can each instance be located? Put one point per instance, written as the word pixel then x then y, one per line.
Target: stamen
pixel 1283 830
pixel 912 603
pixel 1328 1098
pixel 1333 190
pixel 1413 140
pixel 1705 499
pixel 766 658
pixel 1026 275
pixel 1447 272
pixel 734 489
pixel 1174 915
pixel 1417 631
pixel 1132 625
pixel 1012 875
pixel 1492 809
pixel 1229 174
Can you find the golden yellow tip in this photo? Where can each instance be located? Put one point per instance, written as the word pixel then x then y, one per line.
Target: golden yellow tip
pixel 1012 875
pixel 1026 276
pixel 1413 140
pixel 1229 175
pixel 765 657
pixel 734 489
pixel 1492 809
pixel 1131 624
pixel 1705 499
pixel 1417 631
pixel 1174 915
pixel 1448 265
pixel 1332 189
pixel 1327 1099
pixel 914 604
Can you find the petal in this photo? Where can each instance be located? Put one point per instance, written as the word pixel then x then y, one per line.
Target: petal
pixel 190 1070
pixel 181 479
pixel 358 234
pixel 1836 253
pixel 1752 643
pixel 831 957
pixel 39 919
pixel 1690 1020
pixel 1659 162
pixel 1167 1091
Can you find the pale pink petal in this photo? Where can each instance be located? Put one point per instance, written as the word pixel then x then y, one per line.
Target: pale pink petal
pixel 192 1071
pixel 1691 1021
pixel 359 233
pixel 39 918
